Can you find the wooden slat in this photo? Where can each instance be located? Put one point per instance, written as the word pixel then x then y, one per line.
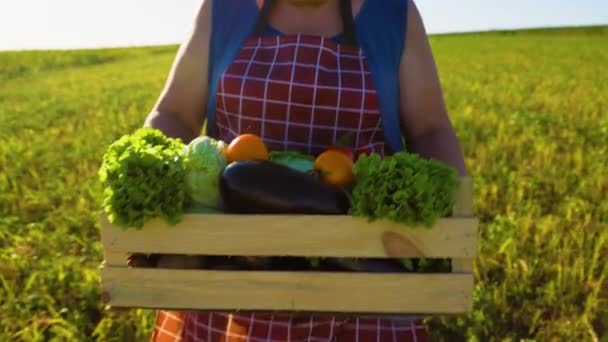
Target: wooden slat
pixel 288 291
pixel 115 259
pixel 462 265
pixel 302 235
pixel 463 208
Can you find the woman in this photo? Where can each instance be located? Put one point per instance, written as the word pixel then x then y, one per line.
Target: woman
pixel 301 74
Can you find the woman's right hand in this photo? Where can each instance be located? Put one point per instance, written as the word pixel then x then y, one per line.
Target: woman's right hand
pixel 180 110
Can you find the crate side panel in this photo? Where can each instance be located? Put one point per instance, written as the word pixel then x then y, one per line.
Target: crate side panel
pixel 464 208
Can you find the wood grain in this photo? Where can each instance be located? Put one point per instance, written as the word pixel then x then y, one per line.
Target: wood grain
pixel 305 235
pixel 115 259
pixel 288 291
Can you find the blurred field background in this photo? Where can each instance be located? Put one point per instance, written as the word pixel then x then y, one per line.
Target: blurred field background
pixel 530 108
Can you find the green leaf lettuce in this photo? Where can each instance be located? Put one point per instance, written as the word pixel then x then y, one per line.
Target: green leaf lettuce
pixel 404 188
pixel 143 178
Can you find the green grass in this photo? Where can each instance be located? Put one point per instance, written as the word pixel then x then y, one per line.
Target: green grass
pixel 531 110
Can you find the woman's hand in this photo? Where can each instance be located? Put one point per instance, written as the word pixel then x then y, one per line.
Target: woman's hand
pixel 426 124
pixel 180 109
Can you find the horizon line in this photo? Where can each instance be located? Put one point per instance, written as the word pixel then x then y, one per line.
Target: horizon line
pixel 445 33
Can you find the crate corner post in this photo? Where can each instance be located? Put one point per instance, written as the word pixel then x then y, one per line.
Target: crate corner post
pixel 112 260
pixel 463 208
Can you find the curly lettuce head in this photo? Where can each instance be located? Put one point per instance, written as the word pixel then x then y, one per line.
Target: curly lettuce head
pixel 143 178
pixel 404 188
pixel 206 160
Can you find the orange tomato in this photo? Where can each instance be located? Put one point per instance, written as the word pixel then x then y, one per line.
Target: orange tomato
pixel 336 168
pixel 246 147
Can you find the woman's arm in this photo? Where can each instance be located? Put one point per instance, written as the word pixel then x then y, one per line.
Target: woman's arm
pixel 428 130
pixel 180 109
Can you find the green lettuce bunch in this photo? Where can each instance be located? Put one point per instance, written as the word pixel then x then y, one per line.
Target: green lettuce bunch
pixel 143 178
pixel 404 188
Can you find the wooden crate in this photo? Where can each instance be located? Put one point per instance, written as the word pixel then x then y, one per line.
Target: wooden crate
pixel 453 237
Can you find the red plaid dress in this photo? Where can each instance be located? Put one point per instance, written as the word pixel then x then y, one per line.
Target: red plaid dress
pixel 298 93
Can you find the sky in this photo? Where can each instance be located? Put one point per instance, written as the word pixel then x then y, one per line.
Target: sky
pixel 67 24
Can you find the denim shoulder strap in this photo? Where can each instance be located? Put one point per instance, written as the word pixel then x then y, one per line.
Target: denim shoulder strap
pixel 381 31
pixel 232 22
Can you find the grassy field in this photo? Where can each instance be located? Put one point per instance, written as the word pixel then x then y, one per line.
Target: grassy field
pixel 530 108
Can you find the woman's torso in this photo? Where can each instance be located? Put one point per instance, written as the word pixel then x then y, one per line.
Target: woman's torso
pixel 299 92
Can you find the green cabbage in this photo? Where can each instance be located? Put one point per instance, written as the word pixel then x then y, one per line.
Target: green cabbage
pixel 404 188
pixel 205 162
pixel 143 178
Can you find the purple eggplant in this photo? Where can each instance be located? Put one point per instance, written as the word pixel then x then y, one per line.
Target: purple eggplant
pixel 264 187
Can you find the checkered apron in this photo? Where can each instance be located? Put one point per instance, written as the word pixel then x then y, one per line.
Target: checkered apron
pixel 299 93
